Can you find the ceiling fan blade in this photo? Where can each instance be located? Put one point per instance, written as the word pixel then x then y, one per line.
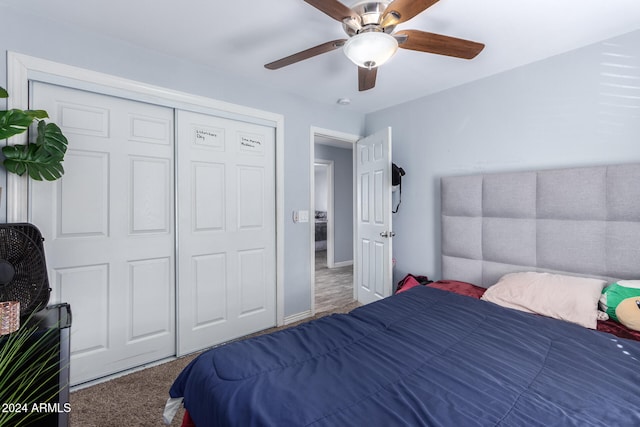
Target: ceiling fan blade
pixel 402 10
pixel 366 78
pixel 333 8
pixel 306 54
pixel 438 44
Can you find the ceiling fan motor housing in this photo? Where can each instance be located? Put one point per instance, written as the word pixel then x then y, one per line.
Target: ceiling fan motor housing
pixel 369 18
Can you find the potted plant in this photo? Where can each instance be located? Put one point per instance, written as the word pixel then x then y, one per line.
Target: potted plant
pixel 40 159
pixel 28 374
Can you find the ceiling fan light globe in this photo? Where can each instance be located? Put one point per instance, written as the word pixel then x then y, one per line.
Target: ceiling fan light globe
pixel 371 49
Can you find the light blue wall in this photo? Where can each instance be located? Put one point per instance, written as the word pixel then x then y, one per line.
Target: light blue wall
pixel 50 40
pixel 342 198
pixel 563 111
pixel 578 108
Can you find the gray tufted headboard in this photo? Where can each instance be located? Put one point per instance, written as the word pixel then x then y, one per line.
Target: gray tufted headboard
pixel 580 221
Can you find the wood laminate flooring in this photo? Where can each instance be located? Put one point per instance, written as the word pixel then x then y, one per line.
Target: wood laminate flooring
pixel 334 287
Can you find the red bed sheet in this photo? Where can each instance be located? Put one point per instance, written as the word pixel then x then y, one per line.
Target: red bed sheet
pixel 186 420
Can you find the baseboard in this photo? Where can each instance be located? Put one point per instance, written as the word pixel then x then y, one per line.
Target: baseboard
pixel 110 377
pixel 297 317
pixel 342 264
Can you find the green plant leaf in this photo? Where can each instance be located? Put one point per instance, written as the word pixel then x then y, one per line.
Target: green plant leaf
pixel 14 122
pixel 41 159
pixel 33 159
pixel 37 114
pixel 51 138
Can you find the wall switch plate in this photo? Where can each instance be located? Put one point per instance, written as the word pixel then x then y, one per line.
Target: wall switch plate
pixel 300 216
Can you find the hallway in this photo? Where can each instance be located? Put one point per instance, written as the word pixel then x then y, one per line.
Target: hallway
pixel 334 287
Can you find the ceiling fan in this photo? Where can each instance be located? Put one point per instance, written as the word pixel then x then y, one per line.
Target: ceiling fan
pixel 370 26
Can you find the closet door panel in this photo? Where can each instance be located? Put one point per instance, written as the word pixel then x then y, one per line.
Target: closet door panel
pixel 226 229
pixel 108 228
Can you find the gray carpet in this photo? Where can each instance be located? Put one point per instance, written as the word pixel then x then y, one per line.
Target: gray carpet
pixel 138 399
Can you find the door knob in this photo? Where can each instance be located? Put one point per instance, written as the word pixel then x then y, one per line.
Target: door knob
pixel 387 234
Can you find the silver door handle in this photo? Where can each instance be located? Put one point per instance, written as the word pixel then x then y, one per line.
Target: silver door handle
pixel 387 234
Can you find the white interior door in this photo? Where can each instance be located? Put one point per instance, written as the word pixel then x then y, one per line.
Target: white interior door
pixel 373 269
pixel 108 228
pixel 226 229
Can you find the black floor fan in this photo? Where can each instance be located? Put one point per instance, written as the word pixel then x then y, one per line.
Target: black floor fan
pixel 23 271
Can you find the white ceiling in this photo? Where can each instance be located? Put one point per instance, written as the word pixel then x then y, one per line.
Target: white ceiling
pixel 240 36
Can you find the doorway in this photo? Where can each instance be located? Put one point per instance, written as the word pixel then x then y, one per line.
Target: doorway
pixel 332 208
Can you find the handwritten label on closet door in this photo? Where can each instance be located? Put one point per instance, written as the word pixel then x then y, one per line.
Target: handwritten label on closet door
pixel 251 143
pixel 209 137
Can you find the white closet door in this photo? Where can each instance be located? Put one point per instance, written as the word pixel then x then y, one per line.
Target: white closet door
pixel 226 229
pixel 108 228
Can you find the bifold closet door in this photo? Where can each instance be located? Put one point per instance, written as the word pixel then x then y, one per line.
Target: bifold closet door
pixel 109 228
pixel 226 229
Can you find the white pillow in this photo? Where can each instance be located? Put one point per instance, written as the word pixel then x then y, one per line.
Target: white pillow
pixel 570 298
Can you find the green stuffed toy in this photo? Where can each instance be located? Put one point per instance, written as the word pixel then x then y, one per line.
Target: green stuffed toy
pixel 615 293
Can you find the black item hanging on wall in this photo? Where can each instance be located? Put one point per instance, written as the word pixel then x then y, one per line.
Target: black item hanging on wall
pixel 396 180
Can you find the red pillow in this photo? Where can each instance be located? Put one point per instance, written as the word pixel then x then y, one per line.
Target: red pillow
pixel 408 283
pixel 462 288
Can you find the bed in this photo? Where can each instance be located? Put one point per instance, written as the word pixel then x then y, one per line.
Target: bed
pixel 444 354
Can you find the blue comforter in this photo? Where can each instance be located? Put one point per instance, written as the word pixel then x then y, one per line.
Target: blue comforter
pixel 423 357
